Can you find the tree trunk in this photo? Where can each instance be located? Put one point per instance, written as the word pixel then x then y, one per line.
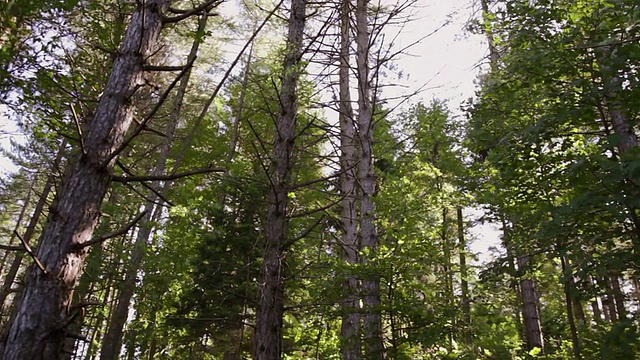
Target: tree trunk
pixel 618 294
pixel 373 341
pixel 597 313
pixel 114 336
pixel 493 51
pixel 12 238
pixel 464 283
pixel 270 312
pixel 350 332
pixel 567 284
pixel 531 315
pixel 45 309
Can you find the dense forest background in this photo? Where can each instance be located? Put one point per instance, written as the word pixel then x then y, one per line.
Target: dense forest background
pixel 254 180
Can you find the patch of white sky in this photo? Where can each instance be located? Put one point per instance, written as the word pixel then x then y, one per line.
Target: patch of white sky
pixel 445 64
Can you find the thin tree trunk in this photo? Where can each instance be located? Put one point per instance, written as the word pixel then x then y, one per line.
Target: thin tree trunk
pixel 114 336
pixel 350 331
pixel 597 313
pixel 45 309
pixel 372 331
pixel 493 51
pixel 533 329
pixel 447 273
pixel 12 238
pixel 611 314
pixel 618 294
pixel 464 282
pixel 270 312
pixel 575 340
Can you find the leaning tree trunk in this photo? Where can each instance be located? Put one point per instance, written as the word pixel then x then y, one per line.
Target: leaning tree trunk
pixel 39 328
pixel 373 342
pixel 113 338
pixel 270 312
pixel 350 331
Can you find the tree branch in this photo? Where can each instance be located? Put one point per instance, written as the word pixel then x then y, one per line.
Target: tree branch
pixel 27 248
pixel 169 177
pixel 186 13
pixel 112 234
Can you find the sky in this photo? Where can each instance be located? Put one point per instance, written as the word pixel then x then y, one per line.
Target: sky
pixel 446 61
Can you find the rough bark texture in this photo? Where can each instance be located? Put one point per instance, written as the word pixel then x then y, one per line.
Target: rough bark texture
pixel 350 331
pixel 530 312
pixel 45 308
pixel 112 341
pixel 372 331
pixel 269 316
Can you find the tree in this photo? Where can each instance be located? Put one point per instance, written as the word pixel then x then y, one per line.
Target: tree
pixel 45 307
pixel 270 312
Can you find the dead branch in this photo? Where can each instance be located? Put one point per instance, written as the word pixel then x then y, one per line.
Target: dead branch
pixel 169 177
pixel 112 234
pixel 29 251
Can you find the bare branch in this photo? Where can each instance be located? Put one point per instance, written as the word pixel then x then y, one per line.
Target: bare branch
pixel 164 177
pixel 112 234
pixel 205 7
pixel 29 251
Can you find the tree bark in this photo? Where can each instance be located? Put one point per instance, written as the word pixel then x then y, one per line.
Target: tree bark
pixel 530 312
pixel 372 331
pixel 350 331
pixel 112 342
pixel 270 312
pixel 45 309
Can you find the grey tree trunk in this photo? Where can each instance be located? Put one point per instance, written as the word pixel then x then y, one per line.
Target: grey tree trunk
pixel 530 312
pixel 112 341
pixel 270 312
pixel 372 331
pixel 350 331
pixel 45 308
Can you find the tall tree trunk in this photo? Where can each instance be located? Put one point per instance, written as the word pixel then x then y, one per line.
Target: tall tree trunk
pixel 464 282
pixel 446 270
pixel 113 338
pixel 372 331
pixel 351 321
pixel 45 309
pixel 270 312
pixel 530 312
